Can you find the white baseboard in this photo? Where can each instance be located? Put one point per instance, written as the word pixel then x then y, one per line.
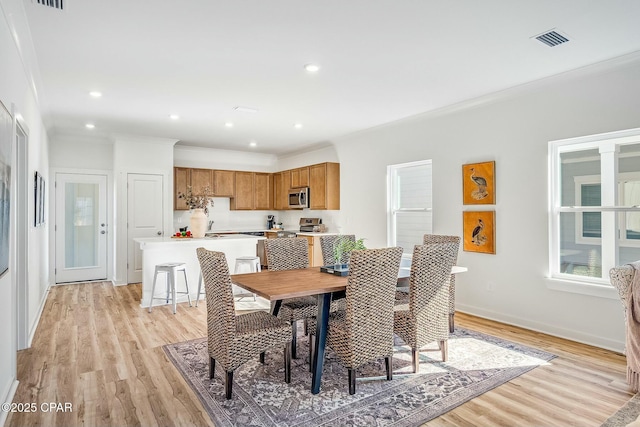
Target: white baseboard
pixel 569 334
pixel 7 397
pixel 34 326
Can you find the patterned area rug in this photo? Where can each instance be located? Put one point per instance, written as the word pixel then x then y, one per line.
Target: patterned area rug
pixel 477 363
pixel 628 413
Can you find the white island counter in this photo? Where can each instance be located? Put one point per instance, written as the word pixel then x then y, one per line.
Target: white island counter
pixel 158 250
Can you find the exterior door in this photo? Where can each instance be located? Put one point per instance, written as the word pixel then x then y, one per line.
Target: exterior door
pixel 145 204
pixel 81 227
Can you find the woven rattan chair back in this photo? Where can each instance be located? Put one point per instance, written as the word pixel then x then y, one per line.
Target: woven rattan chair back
pixel 370 297
pixel 221 318
pixel 287 253
pixel 327 243
pixel 441 238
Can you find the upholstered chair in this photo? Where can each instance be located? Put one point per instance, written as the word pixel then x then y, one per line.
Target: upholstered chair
pixel 235 339
pixel 425 318
pixel 290 254
pixel 364 330
pixel 439 238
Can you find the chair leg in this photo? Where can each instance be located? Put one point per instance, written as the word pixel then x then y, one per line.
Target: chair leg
pixel 444 349
pixel 312 343
pixel 451 325
pixel 262 357
pixel 186 285
pixel 153 289
pixel 212 367
pixel 305 327
pixel 287 363
pixel 294 330
pixel 352 381
pixel 388 362
pixel 199 289
pixel 416 360
pixel 228 383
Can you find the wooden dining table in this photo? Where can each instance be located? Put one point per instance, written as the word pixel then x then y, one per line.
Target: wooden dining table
pixel 278 285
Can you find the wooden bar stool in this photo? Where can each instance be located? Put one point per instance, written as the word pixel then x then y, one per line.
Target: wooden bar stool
pixel 171 270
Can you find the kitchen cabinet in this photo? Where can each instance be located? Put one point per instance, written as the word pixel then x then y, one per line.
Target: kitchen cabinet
pixel 281 186
pixel 224 183
pixel 262 191
pixel 180 183
pixel 315 250
pixel 300 177
pixel 201 179
pixel 243 199
pixel 324 186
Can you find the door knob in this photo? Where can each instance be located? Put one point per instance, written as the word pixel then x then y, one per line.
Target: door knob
pixel 103 232
pixel 159 233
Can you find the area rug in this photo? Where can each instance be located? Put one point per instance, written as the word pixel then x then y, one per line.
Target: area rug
pixel 628 413
pixel 476 363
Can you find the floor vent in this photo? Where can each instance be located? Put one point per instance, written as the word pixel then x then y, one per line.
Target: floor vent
pixel 56 4
pixel 552 38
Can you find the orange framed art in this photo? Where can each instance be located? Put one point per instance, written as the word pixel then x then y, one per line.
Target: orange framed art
pixel 478 183
pixel 479 231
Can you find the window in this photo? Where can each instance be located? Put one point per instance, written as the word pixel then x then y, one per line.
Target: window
pixel 409 212
pixel 594 215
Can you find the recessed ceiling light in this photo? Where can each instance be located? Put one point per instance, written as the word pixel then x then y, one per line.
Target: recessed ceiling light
pixel 312 68
pixel 246 109
pixel 253 144
pixel 90 126
pixel 95 94
pixel 174 116
pixel 298 126
pixel 229 124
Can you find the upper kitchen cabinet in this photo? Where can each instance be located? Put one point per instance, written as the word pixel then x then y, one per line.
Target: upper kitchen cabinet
pixel 281 186
pixel 324 186
pixel 300 177
pixel 180 183
pixel 224 183
pixel 201 179
pixel 254 190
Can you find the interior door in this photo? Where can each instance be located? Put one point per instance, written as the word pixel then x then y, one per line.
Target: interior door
pixel 145 204
pixel 81 227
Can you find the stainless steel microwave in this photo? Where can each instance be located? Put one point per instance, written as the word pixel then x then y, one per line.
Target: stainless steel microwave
pixel 299 198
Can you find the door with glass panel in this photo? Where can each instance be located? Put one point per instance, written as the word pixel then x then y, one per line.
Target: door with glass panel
pixel 81 227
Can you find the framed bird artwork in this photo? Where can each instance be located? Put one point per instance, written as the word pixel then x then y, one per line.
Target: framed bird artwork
pixel 479 232
pixel 478 183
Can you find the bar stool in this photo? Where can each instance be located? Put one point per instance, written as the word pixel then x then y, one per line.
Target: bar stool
pixel 171 270
pixel 253 262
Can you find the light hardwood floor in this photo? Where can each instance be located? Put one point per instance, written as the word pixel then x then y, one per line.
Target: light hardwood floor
pixel 98 350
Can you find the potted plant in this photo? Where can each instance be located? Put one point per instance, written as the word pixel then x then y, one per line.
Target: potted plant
pixel 342 249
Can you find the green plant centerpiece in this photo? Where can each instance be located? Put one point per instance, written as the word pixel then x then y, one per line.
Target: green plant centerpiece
pixel 342 249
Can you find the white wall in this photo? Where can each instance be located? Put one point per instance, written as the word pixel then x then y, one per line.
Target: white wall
pixel 16 88
pixel 513 128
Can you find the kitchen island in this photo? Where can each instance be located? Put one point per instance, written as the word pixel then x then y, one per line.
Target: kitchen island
pixel 158 250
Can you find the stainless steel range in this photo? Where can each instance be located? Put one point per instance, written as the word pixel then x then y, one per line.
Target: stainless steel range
pixel 310 224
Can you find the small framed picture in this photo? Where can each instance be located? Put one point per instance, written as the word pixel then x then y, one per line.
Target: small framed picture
pixel 479 231
pixel 478 183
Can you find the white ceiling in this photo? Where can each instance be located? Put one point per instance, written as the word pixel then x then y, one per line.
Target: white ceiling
pixel 381 60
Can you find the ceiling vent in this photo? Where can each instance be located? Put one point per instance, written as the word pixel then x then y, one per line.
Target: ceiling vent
pixel 552 38
pixel 56 4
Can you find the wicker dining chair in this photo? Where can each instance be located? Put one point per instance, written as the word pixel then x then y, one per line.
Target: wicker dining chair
pixel 235 339
pixel 288 253
pixel 440 238
pixel 328 242
pixel 425 318
pixel 364 330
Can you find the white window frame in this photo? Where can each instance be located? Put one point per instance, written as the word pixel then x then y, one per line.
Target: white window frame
pixel 608 145
pixel 622 230
pixel 392 199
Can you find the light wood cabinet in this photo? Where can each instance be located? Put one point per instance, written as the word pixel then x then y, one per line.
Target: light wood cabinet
pixel 324 186
pixel 243 199
pixel 262 191
pixel 300 177
pixel 281 186
pixel 201 179
pixel 315 251
pixel 180 183
pixel 224 183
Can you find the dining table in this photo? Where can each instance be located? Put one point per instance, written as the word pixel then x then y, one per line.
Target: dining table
pixel 276 286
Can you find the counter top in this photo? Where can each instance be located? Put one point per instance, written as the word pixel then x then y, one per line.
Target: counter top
pixel 152 241
pixel 315 233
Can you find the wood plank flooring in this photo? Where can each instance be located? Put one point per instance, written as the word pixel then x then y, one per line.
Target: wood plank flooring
pixel 98 350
